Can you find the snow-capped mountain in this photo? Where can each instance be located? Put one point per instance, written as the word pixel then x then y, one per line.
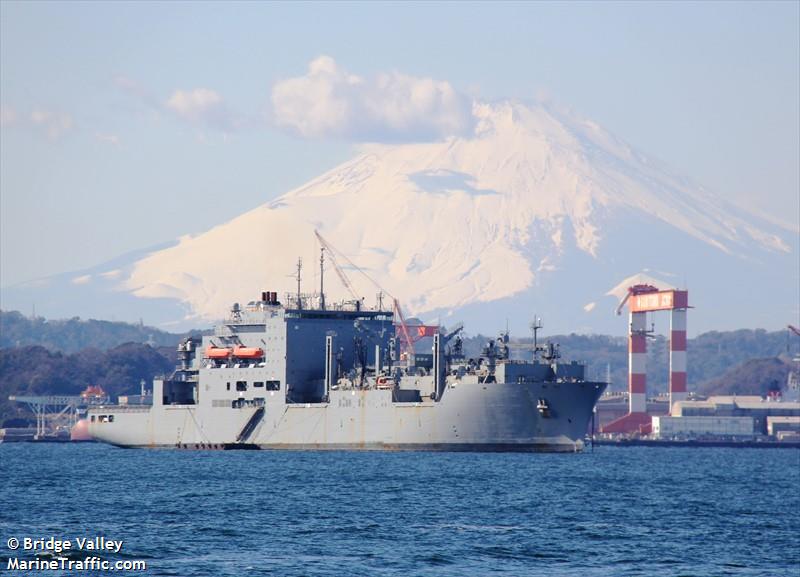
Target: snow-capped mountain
pixel 539 210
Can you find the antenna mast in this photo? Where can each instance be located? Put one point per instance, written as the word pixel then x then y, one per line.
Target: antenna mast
pixel 322 278
pixel 535 326
pixel 299 268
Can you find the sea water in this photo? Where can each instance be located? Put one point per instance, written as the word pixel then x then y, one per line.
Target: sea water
pixel 614 511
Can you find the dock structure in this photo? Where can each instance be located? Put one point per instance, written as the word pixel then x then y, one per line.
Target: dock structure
pixel 55 412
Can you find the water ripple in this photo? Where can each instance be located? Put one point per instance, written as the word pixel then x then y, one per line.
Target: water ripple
pixel 615 512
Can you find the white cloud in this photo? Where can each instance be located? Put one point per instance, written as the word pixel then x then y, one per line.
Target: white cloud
pixel 329 101
pixel 200 106
pixel 53 123
pixel 193 104
pixel 8 115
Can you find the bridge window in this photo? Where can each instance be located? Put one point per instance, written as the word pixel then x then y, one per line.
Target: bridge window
pixel 273 385
pixel 241 385
pixel 258 384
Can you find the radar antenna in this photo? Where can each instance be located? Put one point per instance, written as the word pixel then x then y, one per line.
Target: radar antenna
pixel 536 326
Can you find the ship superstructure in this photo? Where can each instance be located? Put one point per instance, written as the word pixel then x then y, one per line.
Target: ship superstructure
pixel 308 375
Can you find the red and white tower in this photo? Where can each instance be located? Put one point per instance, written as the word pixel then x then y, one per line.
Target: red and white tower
pixel 641 300
pixel 677 355
pixel 637 363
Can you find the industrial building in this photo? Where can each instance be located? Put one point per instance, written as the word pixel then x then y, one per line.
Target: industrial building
pixel 759 409
pixel 666 427
pixel 783 426
pixel 733 417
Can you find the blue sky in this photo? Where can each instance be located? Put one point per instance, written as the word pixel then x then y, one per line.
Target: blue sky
pixel 129 124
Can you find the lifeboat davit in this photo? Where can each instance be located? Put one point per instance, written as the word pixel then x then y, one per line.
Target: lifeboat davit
pixel 217 353
pixel 248 352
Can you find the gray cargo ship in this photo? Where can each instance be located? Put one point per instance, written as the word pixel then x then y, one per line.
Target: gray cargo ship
pixel 311 376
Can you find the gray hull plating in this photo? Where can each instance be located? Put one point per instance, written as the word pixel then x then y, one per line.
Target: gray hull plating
pixel 470 416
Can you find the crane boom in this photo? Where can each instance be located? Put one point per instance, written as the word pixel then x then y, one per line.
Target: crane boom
pixel 456 329
pixel 406 341
pixel 409 344
pixel 340 273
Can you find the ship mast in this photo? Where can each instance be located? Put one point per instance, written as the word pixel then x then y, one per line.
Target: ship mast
pixel 299 297
pixel 535 326
pixel 321 278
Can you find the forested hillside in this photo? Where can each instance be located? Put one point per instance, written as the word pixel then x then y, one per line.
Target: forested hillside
pixel 754 376
pixel 35 370
pixel 72 335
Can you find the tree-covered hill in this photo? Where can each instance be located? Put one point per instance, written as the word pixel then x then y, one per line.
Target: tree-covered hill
pixel 754 376
pixel 36 370
pixel 72 335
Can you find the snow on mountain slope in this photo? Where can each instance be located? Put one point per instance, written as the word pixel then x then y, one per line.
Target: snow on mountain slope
pixel 447 224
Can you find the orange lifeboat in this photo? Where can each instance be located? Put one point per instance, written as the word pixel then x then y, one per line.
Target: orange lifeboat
pixel 217 352
pixel 248 352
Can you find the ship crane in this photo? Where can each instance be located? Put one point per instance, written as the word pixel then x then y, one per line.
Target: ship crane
pixel 340 273
pixel 450 334
pixel 457 350
pixel 407 343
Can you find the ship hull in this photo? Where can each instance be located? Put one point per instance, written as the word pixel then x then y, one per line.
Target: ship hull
pixel 473 416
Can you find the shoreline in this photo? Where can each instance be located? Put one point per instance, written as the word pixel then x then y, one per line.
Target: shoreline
pixel 696 443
